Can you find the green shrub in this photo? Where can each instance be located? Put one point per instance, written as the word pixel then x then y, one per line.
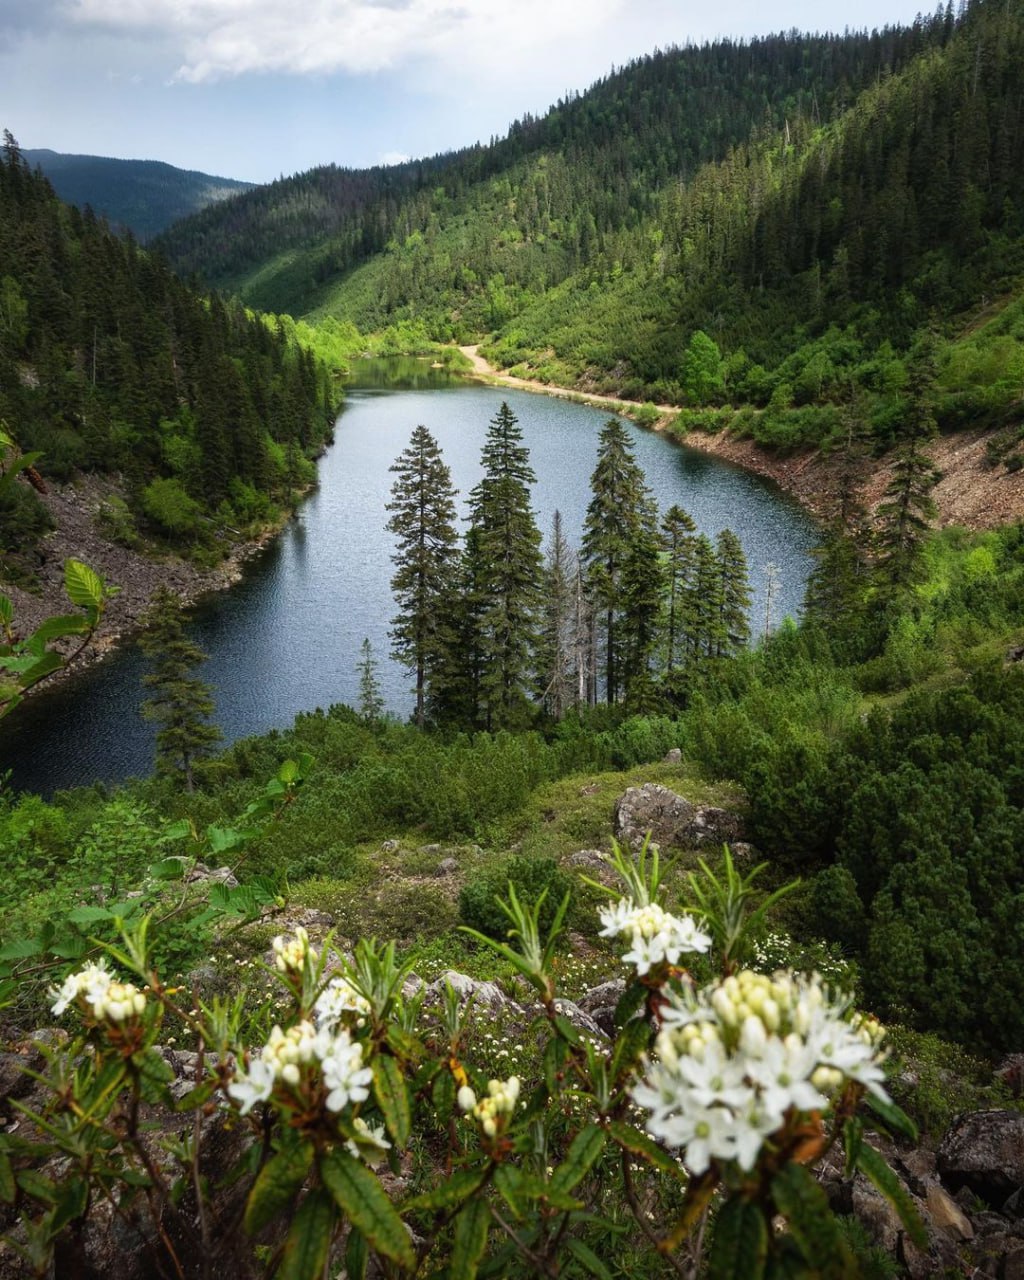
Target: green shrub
pixel 530 876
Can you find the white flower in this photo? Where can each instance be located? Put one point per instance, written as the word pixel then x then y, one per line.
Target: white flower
pixel 344 1074
pixel 371 1144
pixel 253 1086
pixel 290 953
pixel 655 935
pixel 338 999
pixel 91 983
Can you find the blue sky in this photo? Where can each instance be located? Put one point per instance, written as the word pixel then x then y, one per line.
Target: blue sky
pixel 255 89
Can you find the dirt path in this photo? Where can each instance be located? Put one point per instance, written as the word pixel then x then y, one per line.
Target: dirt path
pixel 970 493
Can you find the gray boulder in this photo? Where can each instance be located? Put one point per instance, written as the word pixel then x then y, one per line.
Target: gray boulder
pixel 671 819
pixel 984 1151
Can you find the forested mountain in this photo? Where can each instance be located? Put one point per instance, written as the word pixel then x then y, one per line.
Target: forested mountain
pixel 804 208
pixel 109 363
pixel 553 188
pixel 141 196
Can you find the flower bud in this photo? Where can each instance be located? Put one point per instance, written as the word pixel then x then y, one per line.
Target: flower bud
pixel 466 1098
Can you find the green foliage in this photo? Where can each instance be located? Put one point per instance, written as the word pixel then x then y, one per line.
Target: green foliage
pixel 531 877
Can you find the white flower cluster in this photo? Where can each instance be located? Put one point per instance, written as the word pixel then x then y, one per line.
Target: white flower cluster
pixel 655 935
pixel 341 1002
pixel 370 1144
pixel 300 1055
pixel 290 953
pixel 734 1060
pixel 498 1103
pixel 96 989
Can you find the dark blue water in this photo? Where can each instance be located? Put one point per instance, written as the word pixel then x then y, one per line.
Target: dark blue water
pixel 287 637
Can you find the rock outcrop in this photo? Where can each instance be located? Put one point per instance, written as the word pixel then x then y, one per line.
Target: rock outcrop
pixel 671 820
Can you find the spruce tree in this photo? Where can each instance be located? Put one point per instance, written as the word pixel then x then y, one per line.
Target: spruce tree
pixel 371 704
pixel 508 542
pixel 619 507
pixel 179 703
pixel 643 581
pixel 422 520
pixel 678 542
pixel 557 653
pixel 734 631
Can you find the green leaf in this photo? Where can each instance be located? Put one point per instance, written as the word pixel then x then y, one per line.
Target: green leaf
pixel 470 1239
pixel 167 869
pixel 853 1136
pixel 740 1243
pixel 49 662
pixel 392 1098
pixel 632 1041
pixel 8 1187
pixel 288 772
pixel 155 1073
pixel 89 915
pixel 309 1240
pixel 874 1167
pixel 588 1259
pixel 68 624
pixel 22 949
pixel 35 1185
pixel 555 1055
pixel 363 1201
pixel 812 1224
pixel 639 1144
pixel 72 1199
pixel 449 1191
pixel 357 1255
pixel 630 1002
pixel 6 611
pixel 583 1152
pixel 84 587
pixel 279 1181
pixel 893 1117
pixel 567 1031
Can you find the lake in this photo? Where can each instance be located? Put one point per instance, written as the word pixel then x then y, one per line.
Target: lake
pixel 287 638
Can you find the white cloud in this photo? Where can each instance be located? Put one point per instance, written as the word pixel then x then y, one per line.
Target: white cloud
pixel 394 157
pixel 223 38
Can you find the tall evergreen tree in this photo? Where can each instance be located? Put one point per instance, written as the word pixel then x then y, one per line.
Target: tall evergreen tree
pixel 643 581
pixel 371 704
pixel 510 557
pixel 908 506
pixel 679 543
pixel 620 505
pixel 557 653
pixel 180 703
pixel 734 631
pixel 422 520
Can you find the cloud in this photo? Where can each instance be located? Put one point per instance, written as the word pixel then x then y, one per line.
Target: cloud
pixel 394 157
pixel 217 39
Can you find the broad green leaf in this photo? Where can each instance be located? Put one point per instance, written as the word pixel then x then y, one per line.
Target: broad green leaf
pixel 363 1201
pixel 517 1189
pixel 309 1240
pixel 68 624
pixel 89 915
pixel 874 1167
pixel 449 1191
pixel 49 662
pixel 583 1152
pixel 21 949
pixel 470 1239
pixel 802 1202
pixel 588 1259
pixel 288 772
pixel 740 1243
pixel 84 587
pixel 279 1181
pixel 893 1117
pixel 168 869
pixel 639 1144
pixel 392 1098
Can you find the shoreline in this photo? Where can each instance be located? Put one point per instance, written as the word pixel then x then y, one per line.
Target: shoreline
pixel 969 494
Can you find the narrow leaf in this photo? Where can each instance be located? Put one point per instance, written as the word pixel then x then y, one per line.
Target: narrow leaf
pixel 393 1098
pixel 363 1201
pixel 874 1167
pixel 740 1244
pixel 639 1144
pixel 804 1205
pixel 583 1152
pixel 8 1188
pixel 449 1191
pixel 588 1259
pixel 893 1117
pixel 309 1240
pixel 470 1239
pixel 279 1181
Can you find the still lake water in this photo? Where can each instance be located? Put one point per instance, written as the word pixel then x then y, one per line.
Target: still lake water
pixel 286 639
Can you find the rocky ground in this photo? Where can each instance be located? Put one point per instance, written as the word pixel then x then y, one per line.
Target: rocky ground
pixel 138 573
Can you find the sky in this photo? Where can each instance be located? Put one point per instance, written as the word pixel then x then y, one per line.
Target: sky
pixel 257 89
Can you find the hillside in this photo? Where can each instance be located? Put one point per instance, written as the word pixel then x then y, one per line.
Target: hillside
pixel 141 196
pixel 207 415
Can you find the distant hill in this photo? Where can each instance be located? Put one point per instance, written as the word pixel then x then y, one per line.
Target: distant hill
pixel 144 196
